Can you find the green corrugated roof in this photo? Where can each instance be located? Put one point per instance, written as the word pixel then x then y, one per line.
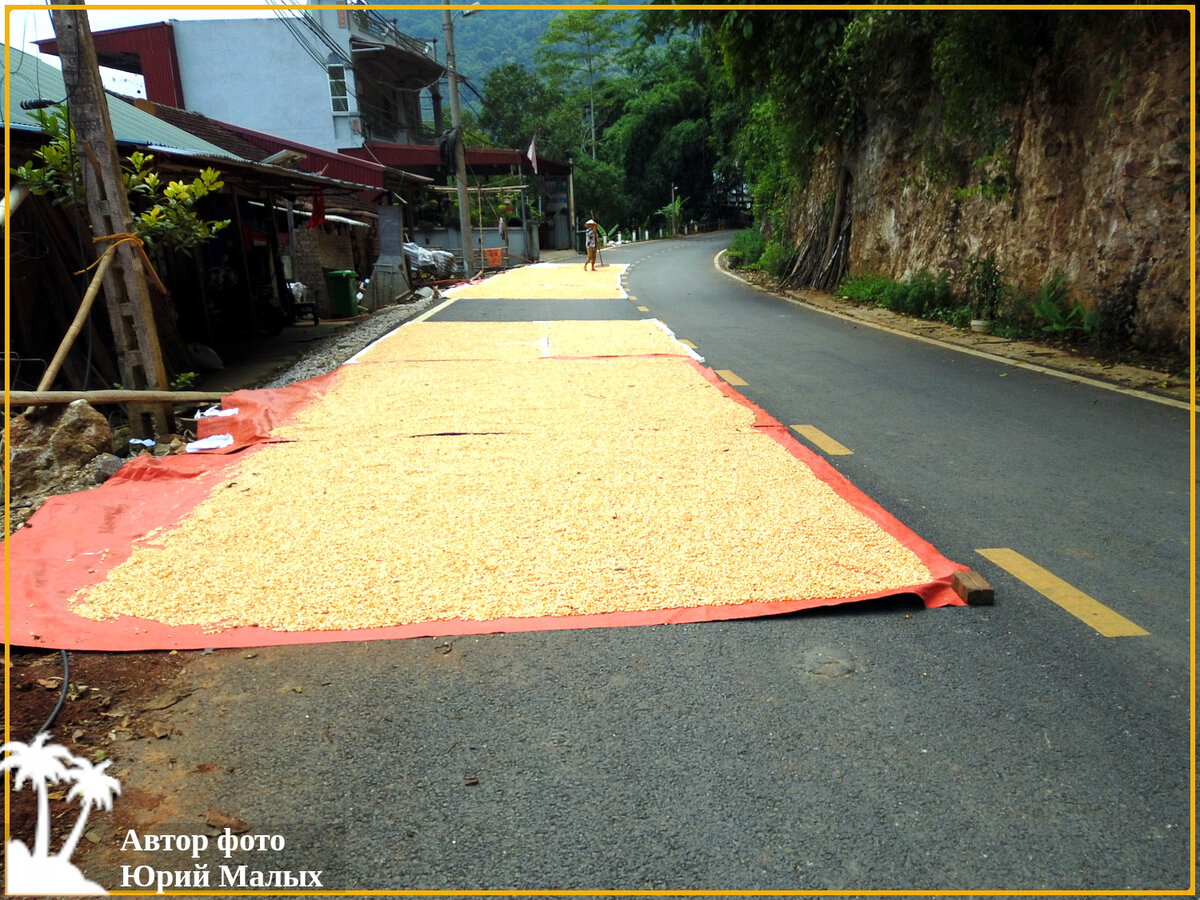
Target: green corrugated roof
pixel 29 78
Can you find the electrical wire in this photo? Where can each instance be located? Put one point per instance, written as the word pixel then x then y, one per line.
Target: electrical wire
pixel 75 200
pixel 323 36
pixel 24 43
pixel 42 103
pixel 291 23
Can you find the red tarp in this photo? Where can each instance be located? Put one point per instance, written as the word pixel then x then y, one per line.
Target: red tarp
pixel 74 539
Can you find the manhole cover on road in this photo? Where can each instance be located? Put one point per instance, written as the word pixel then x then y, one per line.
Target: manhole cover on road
pixel 828 662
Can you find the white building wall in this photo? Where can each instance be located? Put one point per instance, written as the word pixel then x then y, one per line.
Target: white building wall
pixel 254 73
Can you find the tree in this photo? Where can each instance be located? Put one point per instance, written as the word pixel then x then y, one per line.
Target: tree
pixel 790 58
pixel 673 212
pixel 597 191
pixel 515 102
pixel 663 139
pixel 579 49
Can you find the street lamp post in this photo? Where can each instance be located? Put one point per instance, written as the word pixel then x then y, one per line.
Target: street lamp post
pixel 460 150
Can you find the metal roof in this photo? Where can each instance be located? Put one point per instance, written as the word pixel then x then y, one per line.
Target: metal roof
pixel 344 166
pixel 31 79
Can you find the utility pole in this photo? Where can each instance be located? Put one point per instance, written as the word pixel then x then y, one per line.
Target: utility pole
pixel 572 225
pixel 127 296
pixel 460 150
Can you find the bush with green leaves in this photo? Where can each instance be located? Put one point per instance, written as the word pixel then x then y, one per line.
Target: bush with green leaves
pixel 866 289
pixel 925 295
pixel 1058 315
pixel 983 285
pixel 746 248
pixel 1019 315
pixel 917 295
pixel 166 216
pixel 775 259
pixel 922 293
pixel 164 213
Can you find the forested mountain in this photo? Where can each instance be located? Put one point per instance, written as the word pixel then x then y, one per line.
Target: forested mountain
pixel 484 40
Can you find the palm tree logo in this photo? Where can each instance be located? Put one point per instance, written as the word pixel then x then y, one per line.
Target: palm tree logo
pixel 43 764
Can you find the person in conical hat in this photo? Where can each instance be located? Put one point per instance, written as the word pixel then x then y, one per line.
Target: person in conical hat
pixel 591 241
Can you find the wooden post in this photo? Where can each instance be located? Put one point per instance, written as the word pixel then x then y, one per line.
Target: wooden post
pixel 127 297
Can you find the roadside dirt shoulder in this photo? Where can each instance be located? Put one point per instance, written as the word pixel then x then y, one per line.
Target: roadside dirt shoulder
pixel 1039 356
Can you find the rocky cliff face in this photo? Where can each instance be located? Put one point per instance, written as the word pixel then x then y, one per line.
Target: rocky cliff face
pixel 1093 183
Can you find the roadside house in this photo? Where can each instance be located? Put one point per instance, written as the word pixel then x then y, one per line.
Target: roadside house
pixel 346 81
pixel 233 286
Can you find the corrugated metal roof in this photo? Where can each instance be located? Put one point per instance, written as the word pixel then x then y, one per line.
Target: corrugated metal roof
pixel 337 165
pixel 296 177
pixel 206 129
pixel 29 79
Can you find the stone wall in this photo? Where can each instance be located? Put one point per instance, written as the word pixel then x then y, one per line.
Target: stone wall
pixel 1098 187
pixel 331 247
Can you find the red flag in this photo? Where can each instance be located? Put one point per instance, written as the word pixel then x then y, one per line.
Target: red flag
pixel 531 153
pixel 318 209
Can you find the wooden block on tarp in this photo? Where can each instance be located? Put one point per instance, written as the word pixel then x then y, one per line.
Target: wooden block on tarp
pixel 973 588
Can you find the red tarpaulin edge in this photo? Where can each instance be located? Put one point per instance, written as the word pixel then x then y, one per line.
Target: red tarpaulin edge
pixel 75 539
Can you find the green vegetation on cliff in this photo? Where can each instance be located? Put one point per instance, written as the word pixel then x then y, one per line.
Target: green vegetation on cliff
pixel 908 141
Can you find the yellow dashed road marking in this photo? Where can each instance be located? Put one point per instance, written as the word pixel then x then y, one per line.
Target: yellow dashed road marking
pixel 1076 602
pixel 824 442
pixel 731 378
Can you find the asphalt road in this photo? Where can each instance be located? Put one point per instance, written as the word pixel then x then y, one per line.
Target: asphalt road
pixel 878 746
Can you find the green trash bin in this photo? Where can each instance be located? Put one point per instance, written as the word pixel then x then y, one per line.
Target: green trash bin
pixel 343 285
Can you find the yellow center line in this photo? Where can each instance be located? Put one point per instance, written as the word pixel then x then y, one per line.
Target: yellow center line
pixel 643 309
pixel 731 378
pixel 1073 600
pixel 822 441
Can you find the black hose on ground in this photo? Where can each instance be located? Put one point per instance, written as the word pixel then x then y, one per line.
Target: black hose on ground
pixel 62 694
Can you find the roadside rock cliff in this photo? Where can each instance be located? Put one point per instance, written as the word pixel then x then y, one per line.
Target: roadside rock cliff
pixel 1093 183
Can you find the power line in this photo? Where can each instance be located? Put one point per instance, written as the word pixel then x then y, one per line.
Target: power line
pixel 317 31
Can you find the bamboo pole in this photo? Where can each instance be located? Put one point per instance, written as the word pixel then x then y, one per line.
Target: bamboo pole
pixel 85 307
pixel 52 398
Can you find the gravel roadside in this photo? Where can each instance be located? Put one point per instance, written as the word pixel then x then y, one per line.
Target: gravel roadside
pixel 330 353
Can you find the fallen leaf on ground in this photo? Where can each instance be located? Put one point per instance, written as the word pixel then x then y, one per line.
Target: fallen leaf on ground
pixel 163 701
pixel 218 819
